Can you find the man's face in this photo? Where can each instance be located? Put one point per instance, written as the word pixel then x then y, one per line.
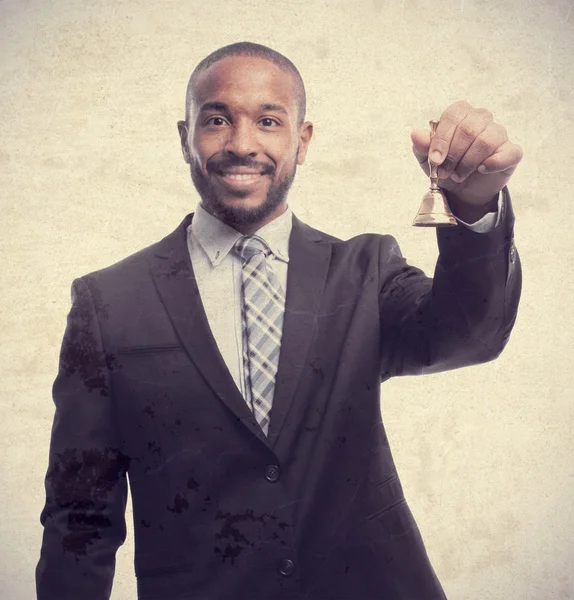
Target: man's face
pixel 243 143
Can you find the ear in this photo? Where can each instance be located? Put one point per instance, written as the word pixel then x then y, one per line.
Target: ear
pixel 305 134
pixel 183 137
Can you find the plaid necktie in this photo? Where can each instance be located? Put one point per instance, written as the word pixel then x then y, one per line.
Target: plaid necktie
pixel 263 308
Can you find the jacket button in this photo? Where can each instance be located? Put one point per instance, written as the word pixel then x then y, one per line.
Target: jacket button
pixel 272 473
pixel 286 567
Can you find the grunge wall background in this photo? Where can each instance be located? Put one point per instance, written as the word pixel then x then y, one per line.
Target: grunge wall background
pixel 91 170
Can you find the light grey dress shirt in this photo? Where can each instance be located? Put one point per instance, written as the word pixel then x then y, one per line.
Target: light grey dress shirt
pixel 217 270
pixel 218 273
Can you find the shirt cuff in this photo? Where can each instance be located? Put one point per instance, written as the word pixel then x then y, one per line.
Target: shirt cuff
pixel 490 220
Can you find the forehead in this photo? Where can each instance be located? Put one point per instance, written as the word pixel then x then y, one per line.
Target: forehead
pixel 243 81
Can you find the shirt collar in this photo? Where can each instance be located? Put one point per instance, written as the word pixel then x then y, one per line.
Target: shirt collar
pixel 217 239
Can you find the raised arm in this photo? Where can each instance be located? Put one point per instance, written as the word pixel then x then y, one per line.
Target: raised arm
pixel 465 313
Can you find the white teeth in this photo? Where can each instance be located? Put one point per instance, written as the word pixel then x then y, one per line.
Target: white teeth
pixel 241 176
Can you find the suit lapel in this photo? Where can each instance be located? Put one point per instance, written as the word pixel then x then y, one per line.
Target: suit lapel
pixel 308 266
pixel 176 284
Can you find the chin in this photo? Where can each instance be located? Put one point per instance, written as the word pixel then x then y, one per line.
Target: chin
pixel 246 215
pixel 246 201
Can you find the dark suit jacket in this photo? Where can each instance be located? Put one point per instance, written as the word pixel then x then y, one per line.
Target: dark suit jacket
pixel 314 511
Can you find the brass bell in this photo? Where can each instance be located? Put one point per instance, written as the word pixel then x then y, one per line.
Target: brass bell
pixel 434 210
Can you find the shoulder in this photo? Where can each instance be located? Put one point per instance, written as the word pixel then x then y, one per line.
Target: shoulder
pixel 134 269
pixel 365 243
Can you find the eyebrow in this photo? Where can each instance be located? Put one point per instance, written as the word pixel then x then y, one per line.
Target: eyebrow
pixel 214 106
pixel 274 108
pixel 221 106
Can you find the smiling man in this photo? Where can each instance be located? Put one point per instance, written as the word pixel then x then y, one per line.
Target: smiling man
pixel 244 135
pixel 232 370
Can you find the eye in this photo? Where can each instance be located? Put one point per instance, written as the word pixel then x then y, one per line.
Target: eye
pixel 217 121
pixel 269 122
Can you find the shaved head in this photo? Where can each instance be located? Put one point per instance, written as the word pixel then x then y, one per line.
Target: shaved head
pixel 255 51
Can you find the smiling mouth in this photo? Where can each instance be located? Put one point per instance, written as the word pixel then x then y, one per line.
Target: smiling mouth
pixel 240 181
pixel 242 176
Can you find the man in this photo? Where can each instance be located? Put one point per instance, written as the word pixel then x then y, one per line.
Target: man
pixel 234 378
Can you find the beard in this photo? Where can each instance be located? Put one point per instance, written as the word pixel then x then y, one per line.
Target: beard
pixel 239 215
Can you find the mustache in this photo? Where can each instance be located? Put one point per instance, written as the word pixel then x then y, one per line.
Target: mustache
pixel 249 163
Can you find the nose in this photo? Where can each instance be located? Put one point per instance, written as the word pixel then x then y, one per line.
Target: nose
pixel 242 140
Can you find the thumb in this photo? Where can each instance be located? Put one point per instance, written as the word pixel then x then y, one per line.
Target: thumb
pixel 421 140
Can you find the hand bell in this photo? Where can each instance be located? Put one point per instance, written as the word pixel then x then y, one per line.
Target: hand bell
pixel 434 210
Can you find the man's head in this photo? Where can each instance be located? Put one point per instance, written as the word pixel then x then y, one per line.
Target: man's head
pixel 244 132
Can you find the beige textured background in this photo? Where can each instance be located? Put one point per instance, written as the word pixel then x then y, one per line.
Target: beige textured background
pixel 90 171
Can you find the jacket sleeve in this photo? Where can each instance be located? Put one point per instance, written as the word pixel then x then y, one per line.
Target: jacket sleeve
pixel 86 488
pixel 464 314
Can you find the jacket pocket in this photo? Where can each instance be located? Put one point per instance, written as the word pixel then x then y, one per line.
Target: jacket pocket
pixel 393 521
pixel 379 513
pixel 135 350
pixel 384 498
